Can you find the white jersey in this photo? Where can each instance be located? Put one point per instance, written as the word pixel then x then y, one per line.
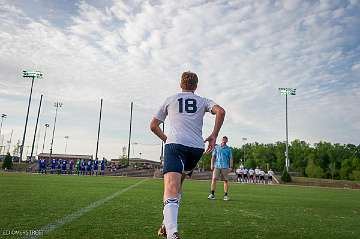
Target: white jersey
pixel 239 171
pixel 245 171
pixel 251 172
pixel 257 171
pixel 262 173
pixel 186 112
pixel 270 173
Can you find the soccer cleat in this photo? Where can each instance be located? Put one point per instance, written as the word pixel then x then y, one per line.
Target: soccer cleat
pixel 175 236
pixel 226 198
pixel 211 197
pixel 162 231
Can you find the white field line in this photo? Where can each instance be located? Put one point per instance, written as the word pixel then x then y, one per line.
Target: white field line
pixel 71 217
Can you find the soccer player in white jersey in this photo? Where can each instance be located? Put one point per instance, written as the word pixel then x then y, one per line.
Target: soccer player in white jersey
pixel 270 175
pixel 257 175
pixel 245 175
pixel 239 172
pixel 251 174
pixel 262 176
pixel 184 144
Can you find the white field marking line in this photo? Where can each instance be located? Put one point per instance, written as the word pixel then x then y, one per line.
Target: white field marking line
pixel 71 217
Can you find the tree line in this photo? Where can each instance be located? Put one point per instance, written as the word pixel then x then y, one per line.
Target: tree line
pixel 320 160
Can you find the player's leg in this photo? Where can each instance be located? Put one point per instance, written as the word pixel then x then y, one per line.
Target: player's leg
pixel 172 184
pixel 215 176
pixel 173 178
pixel 225 172
pixel 180 194
pixel 162 230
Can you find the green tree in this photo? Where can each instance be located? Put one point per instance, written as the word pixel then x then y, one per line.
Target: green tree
pixel 250 163
pixel 237 154
pixel 312 170
pixel 322 151
pixel 8 163
pixel 355 175
pixel 205 162
pixel 332 169
pixel 279 151
pixel 298 151
pixel 285 177
pixel 346 168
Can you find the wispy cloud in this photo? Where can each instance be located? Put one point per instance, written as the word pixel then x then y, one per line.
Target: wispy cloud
pixel 136 50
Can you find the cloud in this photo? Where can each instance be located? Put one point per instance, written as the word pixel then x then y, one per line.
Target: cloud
pixel 242 51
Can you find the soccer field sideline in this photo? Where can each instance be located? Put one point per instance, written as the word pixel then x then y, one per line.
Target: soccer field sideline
pixel 139 210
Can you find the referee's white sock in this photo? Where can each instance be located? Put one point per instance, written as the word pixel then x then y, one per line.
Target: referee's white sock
pixel 171 209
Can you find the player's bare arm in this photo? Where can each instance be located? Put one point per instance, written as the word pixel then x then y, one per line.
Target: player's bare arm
pixel 219 113
pixel 212 163
pixel 155 128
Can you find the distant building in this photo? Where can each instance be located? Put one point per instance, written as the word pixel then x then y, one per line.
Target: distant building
pixel 143 163
pixel 138 163
pixel 66 157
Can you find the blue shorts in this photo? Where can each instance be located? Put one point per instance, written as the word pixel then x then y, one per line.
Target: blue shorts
pixel 180 158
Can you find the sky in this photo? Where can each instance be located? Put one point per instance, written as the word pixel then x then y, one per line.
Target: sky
pixel 135 51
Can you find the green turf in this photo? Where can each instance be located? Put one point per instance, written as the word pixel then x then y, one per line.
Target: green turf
pixel 255 211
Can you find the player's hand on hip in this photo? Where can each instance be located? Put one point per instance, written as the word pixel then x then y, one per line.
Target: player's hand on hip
pixel 211 140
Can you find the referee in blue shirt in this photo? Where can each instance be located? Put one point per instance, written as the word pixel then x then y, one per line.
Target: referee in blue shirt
pixel 221 164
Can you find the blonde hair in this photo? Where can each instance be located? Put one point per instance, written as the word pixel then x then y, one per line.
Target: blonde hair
pixel 189 81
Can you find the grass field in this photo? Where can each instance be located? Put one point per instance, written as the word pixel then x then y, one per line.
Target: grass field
pixel 30 202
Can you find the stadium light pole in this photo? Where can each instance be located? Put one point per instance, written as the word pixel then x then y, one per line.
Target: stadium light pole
pixel 43 146
pixel 244 139
pixel 66 142
pixel 32 75
pixel 3 116
pixel 9 141
pixel 37 142
pixel 286 92
pixel 36 125
pixel 129 143
pixel 98 133
pixel 133 148
pixel 57 106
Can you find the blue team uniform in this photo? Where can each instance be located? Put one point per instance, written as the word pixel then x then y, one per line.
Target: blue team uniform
pixel 89 167
pixel 71 166
pixel 64 164
pixel 82 168
pixel 53 166
pixel 103 167
pixel 42 166
pixel 39 166
pixel 59 162
pixel 96 166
